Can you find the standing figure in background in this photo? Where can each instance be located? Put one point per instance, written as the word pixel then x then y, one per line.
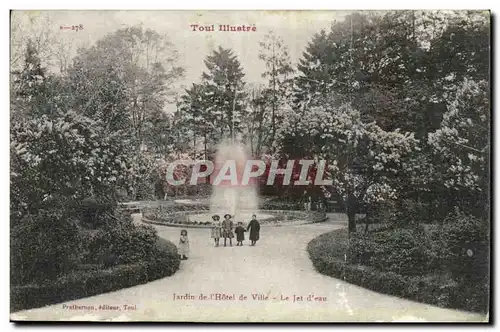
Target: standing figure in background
pixel 216 232
pixel 319 204
pixel 183 248
pixel 227 229
pixel 159 190
pixel 240 234
pixel 323 203
pixel 254 228
pixel 304 200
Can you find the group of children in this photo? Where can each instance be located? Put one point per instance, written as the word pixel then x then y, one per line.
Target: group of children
pixel 224 229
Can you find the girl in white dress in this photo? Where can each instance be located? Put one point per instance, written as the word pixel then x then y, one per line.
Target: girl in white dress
pixel 183 248
pixel 216 232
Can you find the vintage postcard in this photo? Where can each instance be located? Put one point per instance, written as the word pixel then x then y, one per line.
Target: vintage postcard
pixel 250 166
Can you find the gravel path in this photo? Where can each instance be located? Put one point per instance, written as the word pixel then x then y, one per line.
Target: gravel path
pixel 276 276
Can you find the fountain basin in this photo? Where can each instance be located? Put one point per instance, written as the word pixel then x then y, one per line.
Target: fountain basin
pixel 202 218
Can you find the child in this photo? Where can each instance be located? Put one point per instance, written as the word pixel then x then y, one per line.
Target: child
pixel 216 230
pixel 254 228
pixel 227 229
pixel 183 248
pixel 240 234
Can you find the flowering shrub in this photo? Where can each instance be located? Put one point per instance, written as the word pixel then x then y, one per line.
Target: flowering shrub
pixel 68 158
pixel 364 161
pixel 461 145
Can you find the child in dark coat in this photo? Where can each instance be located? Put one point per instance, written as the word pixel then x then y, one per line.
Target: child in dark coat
pixel 240 234
pixel 227 229
pixel 254 228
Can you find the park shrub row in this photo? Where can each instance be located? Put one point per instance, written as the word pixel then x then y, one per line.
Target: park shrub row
pixel 91 280
pixel 405 263
pixel 425 290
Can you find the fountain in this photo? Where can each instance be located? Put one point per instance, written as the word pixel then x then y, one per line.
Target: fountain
pixel 241 201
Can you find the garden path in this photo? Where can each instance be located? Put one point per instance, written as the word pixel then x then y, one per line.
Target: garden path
pixel 277 267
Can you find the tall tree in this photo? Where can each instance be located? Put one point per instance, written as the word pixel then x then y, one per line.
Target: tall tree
pixel 394 67
pixel 278 72
pixel 125 79
pixel 37 27
pixel 462 51
pixel 257 132
pixel 198 116
pixel 35 91
pixel 224 88
pixel 315 67
pixel 29 84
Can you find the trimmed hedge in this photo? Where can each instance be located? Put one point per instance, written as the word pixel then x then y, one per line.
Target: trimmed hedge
pixel 86 282
pixel 120 243
pixel 42 247
pixel 401 250
pixel 326 253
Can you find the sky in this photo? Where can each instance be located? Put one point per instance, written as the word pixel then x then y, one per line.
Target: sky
pixel 295 27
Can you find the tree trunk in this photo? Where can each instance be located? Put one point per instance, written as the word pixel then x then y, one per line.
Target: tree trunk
pixel 259 137
pixel 273 124
pixel 205 145
pixel 233 115
pixel 206 157
pixel 368 216
pixel 251 132
pixel 351 213
pixel 222 125
pixel 194 146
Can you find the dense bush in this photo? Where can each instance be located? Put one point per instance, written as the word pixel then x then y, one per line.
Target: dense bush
pixel 400 250
pixel 419 288
pixel 81 284
pixel 143 191
pixel 332 244
pixel 466 255
pixel 378 212
pixel 93 213
pixel 466 246
pixel 121 242
pixel 43 247
pixel 166 251
pixel 433 287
